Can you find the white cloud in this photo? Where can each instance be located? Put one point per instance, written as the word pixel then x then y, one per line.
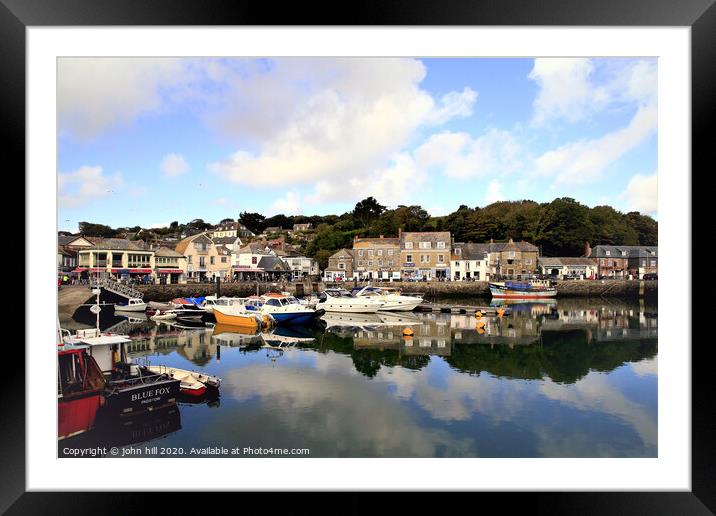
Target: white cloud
pixel 290 204
pixel 494 192
pixel 584 161
pixel 573 88
pixel 348 119
pixel 565 90
pixel 460 156
pixel 454 104
pixel 96 93
pixel 173 165
pixel 642 194
pixel 84 185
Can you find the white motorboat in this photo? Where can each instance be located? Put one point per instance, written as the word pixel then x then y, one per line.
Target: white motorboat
pixel 191 383
pixel 133 305
pixel 340 300
pixel 211 301
pixel 393 300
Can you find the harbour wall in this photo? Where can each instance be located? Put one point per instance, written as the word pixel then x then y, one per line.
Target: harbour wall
pixel 629 289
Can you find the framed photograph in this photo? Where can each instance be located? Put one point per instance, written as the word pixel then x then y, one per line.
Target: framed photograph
pixel 420 253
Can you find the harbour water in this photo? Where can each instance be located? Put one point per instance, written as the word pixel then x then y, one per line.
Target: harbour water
pixel 566 378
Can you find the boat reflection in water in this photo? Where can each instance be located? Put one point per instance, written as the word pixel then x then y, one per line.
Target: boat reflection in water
pixel 115 432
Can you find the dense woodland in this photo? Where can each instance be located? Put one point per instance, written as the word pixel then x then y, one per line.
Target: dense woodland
pixel 559 228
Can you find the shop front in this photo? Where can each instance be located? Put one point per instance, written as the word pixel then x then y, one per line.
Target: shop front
pixel 169 276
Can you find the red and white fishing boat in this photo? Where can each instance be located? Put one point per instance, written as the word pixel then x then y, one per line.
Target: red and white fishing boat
pixel 534 289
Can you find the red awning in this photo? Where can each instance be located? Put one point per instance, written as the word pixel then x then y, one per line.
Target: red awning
pixel 80 269
pixel 140 271
pixel 170 271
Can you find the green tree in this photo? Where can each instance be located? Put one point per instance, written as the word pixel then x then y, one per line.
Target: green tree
pixel 367 210
pixel 253 221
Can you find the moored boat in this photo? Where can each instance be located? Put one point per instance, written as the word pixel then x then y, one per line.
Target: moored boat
pixel 522 289
pixel 92 363
pixel 286 309
pixel 133 305
pixel 340 300
pixel 191 383
pixel 237 315
pixel 393 300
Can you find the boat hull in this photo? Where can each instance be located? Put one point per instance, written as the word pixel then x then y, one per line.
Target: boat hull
pixel 78 414
pixel 506 293
pixel 131 308
pixel 357 308
pixel 142 398
pixel 240 321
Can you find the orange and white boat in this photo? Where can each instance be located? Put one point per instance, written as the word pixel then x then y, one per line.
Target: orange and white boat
pixel 238 316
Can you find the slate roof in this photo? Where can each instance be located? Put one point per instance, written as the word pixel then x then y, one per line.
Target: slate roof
pixel 632 251
pixel 166 252
pixel 558 261
pixel 272 263
pixel 470 251
pixel 119 244
pixel 183 244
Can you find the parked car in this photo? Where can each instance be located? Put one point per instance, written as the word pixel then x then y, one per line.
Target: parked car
pixel 650 276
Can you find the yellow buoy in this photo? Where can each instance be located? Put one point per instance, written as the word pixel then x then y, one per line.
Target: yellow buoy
pixel 500 312
pixel 478 314
pixel 407 332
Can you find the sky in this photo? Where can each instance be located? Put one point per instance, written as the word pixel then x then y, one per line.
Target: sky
pixel 148 141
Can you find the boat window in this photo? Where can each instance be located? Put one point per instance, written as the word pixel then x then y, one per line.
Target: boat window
pixel 273 302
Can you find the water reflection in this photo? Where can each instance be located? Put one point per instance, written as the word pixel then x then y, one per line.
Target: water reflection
pixel 575 378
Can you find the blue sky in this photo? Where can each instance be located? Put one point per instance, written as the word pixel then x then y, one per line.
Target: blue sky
pixel 145 141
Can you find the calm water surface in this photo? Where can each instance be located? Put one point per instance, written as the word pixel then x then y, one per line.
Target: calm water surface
pixel 574 378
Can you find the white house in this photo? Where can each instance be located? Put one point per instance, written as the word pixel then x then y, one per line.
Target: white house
pixel 469 262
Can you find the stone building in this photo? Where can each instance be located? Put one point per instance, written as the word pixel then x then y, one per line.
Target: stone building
pixel 424 255
pixel 340 266
pixel 377 258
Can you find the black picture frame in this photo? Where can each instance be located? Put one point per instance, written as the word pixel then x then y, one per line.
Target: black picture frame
pixel 700 15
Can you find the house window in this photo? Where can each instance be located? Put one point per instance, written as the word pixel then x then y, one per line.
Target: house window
pixel 408 245
pixel 360 252
pixel 390 263
pixel 380 252
pixel 441 245
pixel 212 260
pixel 441 258
pixel 424 258
pixel 409 258
pixel 341 265
pixel 511 254
pixel 370 252
pixel 425 245
pixel 528 261
pixel 380 262
pixel 223 259
pixel 254 260
pixel 608 253
pixel 370 263
pixel 188 259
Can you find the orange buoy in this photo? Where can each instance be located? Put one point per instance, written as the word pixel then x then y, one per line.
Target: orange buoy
pixel 500 312
pixel 407 332
pixel 480 330
pixel 480 324
pixel 478 314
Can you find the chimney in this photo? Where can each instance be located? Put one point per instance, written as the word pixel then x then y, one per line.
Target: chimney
pixel 381 236
pixel 400 232
pixel 511 242
pixel 587 250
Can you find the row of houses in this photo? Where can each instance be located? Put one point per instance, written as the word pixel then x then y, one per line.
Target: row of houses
pixel 221 253
pixel 434 256
pixel 195 258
